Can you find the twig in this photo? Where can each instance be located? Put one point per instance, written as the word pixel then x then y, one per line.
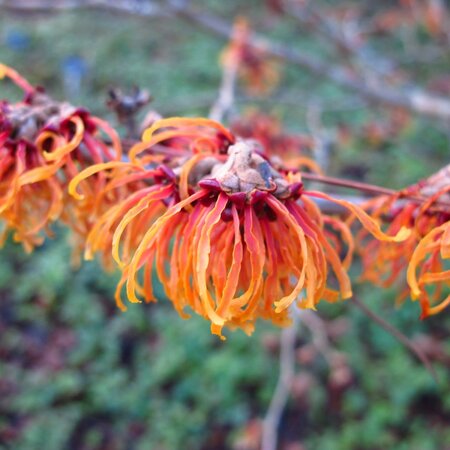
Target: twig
pixel 342 36
pixel 397 335
pixel 281 394
pixel 136 7
pixel 370 188
pixel 316 326
pixel 222 106
pixel 323 138
pixel 350 184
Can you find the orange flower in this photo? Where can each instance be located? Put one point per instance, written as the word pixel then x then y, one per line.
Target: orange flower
pixel 25 208
pixel 44 144
pixel 432 251
pixel 384 263
pixel 246 244
pixel 429 257
pixel 229 237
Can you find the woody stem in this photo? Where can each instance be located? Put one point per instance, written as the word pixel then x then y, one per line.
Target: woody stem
pixel 357 185
pixel 368 188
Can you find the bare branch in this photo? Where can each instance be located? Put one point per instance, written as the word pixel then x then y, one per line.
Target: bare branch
pixel 225 99
pixel 372 189
pixel 139 8
pixel 281 394
pixel 324 139
pixel 397 335
pixel 343 36
pixel 316 326
pixel 413 99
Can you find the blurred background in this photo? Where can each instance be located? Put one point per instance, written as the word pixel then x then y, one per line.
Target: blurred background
pixel 77 374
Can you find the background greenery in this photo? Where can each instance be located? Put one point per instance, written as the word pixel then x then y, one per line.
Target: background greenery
pixel 75 373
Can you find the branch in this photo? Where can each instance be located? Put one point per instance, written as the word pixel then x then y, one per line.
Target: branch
pixel 316 326
pixel 225 99
pixel 415 99
pixel 397 335
pixel 372 189
pixel 341 35
pixel 136 8
pixel 281 394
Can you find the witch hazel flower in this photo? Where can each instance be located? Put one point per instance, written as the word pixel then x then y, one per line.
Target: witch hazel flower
pixel 246 243
pixel 425 208
pixel 428 273
pixel 44 144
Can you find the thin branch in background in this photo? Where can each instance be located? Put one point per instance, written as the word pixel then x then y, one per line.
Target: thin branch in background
pixel 371 189
pixel 412 98
pixel 397 335
pixel 287 97
pixel 343 35
pixel 136 7
pixel 225 100
pixel 316 326
pixel 320 339
pixel 324 139
pixel 280 396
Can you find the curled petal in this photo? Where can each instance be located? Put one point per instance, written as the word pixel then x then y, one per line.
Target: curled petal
pixel 369 224
pixel 202 260
pixel 427 245
pixel 283 213
pixel 65 149
pixel 433 310
pixel 40 173
pixel 95 169
pixel 182 121
pixel 155 194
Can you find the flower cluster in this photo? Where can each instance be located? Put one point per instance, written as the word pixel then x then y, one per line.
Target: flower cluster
pixel 43 145
pixel 221 217
pixel 424 208
pixel 229 237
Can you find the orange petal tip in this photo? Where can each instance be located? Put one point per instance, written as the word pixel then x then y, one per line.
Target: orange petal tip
pixel 403 234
